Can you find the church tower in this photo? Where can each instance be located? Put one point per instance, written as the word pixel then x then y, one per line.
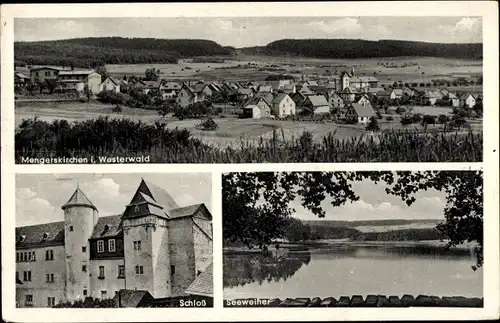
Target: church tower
pixel 146 240
pixel 80 217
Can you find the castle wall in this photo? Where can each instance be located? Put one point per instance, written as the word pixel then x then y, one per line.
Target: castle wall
pixel 182 256
pixel 161 262
pixel 135 258
pixel 202 249
pixel 110 283
pixel 38 286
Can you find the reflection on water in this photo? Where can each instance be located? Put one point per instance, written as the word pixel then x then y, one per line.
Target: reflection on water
pixel 352 270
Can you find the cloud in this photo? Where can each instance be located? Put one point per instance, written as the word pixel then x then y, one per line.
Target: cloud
pixel 34 209
pixel 466 23
pixel 345 25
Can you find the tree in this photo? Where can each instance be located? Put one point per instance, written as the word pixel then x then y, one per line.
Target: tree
pixel 103 71
pixel 373 125
pixel 256 204
pixel 87 92
pixel 443 118
pixel 151 74
pixel 428 120
pixel 478 108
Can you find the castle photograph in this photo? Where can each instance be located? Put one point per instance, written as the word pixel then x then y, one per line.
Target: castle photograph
pixel 116 240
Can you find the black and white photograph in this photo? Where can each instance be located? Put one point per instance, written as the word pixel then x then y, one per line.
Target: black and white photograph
pixel 353 239
pixel 114 240
pixel 248 89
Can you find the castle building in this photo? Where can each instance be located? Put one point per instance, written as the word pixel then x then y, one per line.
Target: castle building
pixel 154 246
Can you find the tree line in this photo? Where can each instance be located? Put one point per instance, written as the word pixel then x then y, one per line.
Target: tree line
pixel 91 52
pixel 356 48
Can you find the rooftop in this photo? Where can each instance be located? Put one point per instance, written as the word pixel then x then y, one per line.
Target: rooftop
pixel 78 199
pixel 203 284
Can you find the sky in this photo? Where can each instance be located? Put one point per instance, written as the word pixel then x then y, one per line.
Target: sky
pixel 375 204
pixel 39 197
pixel 255 31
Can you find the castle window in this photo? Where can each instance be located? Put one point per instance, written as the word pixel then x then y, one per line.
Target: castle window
pixel 100 246
pixel 121 271
pixel 198 273
pixel 27 276
pixel 104 294
pixel 45 236
pixel 22 238
pixel 111 245
pixel 101 272
pixel 17 276
pixel 84 268
pixel 172 270
pixel 139 270
pixel 50 278
pixel 51 301
pixel 84 249
pixel 33 257
pixel 71 228
pixel 28 300
pixel 49 254
pixel 84 292
pixel 137 245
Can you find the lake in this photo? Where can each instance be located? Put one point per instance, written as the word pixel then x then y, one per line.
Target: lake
pixel 352 271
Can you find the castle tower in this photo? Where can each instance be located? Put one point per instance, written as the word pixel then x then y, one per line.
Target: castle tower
pixel 146 240
pixel 80 217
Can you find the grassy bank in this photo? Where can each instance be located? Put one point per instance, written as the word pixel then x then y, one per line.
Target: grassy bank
pixel 125 137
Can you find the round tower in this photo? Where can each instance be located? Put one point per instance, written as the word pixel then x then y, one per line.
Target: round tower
pixel 80 217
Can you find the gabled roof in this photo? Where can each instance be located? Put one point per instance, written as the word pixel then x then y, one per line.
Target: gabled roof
pixel 21 75
pixel 350 90
pixel 107 226
pixel 76 72
pixel 279 98
pixel 184 86
pixel 265 88
pixel 465 96
pixel 78 199
pixel 158 194
pixel 398 91
pixel 203 284
pixel 152 84
pixel 171 86
pixel 33 235
pixel 46 68
pixel 185 211
pixel 255 100
pixel 363 110
pixel 198 88
pixel 452 96
pixel 115 82
pixel 289 87
pixel 131 298
pixel 244 91
pixel 317 100
pixel 306 90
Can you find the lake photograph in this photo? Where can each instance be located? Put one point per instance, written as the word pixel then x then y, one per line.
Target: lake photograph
pixel 353 238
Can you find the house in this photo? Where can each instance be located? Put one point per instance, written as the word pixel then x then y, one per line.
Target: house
pixel 453 99
pixel 298 98
pixel 69 85
pixel 289 89
pixel 283 105
pixel 361 82
pixel 344 80
pixel 335 101
pixel 266 88
pixel 257 107
pixel 375 90
pixel 203 91
pixel 20 80
pixel 349 94
pixel 87 255
pixel 363 99
pixel 110 84
pixel 317 104
pixel 444 92
pixel 311 82
pixel 409 92
pixel 243 94
pixel 169 86
pixel 186 96
pixel 431 97
pixel 90 78
pixel 42 73
pixel 305 90
pixel 467 100
pixel 359 113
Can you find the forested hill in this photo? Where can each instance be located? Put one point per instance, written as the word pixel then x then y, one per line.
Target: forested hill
pixel 89 52
pixel 356 48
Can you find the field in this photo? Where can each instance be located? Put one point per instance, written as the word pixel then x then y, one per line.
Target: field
pixel 232 131
pixel 256 68
pixel 387 228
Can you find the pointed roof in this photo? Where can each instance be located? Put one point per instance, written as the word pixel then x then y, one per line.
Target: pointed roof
pixel 78 199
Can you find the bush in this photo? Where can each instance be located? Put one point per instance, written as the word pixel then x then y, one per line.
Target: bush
pixel 400 110
pixel 207 125
pixel 389 118
pixel 111 97
pixel 117 109
pixel 443 119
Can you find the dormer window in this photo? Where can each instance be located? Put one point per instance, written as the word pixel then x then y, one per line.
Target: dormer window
pixel 136 208
pixel 45 236
pixel 22 238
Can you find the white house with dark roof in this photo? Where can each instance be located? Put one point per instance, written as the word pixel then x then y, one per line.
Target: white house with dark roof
pixel 467 100
pixel 283 105
pixel 317 104
pixel 110 84
pixel 360 113
pixel 90 78
pixel 154 245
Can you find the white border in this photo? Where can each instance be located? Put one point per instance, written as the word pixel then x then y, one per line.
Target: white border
pixel 488 10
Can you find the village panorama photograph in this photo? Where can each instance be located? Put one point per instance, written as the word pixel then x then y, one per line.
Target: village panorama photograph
pixel 248 90
pixel 353 239
pixel 113 240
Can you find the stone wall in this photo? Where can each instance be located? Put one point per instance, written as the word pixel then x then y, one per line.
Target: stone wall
pixel 359 301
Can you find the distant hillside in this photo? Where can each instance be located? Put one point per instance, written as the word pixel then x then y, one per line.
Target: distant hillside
pixel 89 52
pixel 352 224
pixel 356 48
